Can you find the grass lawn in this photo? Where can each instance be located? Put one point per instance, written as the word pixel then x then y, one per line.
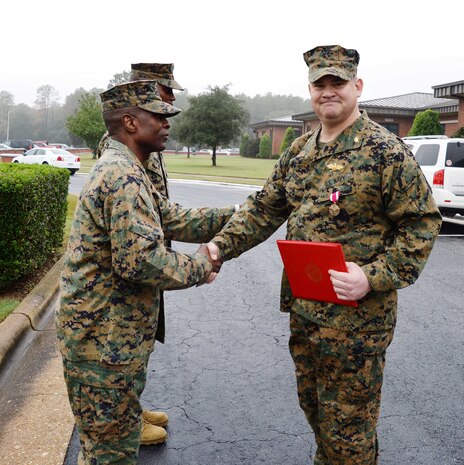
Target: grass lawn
pixel 11 298
pixel 7 306
pixel 86 162
pixel 229 168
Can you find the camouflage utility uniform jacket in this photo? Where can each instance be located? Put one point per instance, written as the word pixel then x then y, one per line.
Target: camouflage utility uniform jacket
pixel 156 171
pixel 117 262
pixel 387 222
pixel 156 168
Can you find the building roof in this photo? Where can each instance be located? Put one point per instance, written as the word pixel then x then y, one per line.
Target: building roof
pixel 413 101
pixel 403 105
pixel 450 90
pixel 279 121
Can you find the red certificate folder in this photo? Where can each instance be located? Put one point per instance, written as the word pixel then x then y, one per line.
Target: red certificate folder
pixel 307 266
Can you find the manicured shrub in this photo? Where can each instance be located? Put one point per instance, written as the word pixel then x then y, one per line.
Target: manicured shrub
pixel 426 123
pixel 459 133
pixel 265 147
pixel 244 142
pixel 33 203
pixel 289 137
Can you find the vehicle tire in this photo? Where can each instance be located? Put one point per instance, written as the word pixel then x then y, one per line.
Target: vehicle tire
pixel 44 163
pixel 73 172
pixel 16 161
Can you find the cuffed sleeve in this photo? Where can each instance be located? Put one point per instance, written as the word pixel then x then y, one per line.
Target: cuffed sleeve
pixel 137 242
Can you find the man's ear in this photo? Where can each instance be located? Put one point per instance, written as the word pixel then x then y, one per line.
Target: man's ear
pixel 359 87
pixel 129 123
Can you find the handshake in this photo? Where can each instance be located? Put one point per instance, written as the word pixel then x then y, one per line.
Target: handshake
pixel 211 250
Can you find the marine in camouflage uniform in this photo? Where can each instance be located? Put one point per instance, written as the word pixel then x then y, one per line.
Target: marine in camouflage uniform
pixel 115 267
pixel 163 74
pixel 386 220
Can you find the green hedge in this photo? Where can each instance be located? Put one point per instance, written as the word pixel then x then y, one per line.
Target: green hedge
pixel 33 203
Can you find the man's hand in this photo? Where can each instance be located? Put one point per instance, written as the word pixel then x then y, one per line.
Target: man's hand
pixel 214 251
pixel 204 249
pixel 352 285
pixel 212 254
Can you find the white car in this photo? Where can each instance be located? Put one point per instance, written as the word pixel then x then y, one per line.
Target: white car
pixel 49 156
pixel 442 161
pixel 5 147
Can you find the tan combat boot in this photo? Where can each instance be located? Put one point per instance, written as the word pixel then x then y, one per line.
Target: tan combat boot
pixel 155 418
pixel 152 434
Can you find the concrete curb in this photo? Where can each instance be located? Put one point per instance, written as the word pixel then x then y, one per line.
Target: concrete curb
pixel 29 312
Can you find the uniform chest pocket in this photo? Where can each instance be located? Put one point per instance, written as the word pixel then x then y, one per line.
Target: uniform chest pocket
pixel 348 198
pixel 296 180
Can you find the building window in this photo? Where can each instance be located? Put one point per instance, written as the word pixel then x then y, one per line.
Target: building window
pixel 392 127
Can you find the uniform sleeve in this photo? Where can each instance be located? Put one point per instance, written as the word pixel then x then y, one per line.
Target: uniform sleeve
pixel 409 204
pixel 138 251
pixel 192 224
pixel 259 216
pixel 103 144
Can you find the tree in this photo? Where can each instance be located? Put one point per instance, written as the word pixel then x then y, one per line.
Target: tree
pixel 213 119
pixel 180 132
pixel 47 99
pixel 22 122
pixel 269 106
pixel 87 122
pixel 426 123
pixel 265 147
pixel 289 137
pixel 119 78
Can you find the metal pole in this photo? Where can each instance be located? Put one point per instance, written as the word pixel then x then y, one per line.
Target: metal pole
pixel 8 124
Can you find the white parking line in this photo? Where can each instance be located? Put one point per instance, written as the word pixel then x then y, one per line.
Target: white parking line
pixel 216 183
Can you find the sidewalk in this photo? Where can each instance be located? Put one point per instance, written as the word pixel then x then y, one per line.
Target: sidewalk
pixel 36 422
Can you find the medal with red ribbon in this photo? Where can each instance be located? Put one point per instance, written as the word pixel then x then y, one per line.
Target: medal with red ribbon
pixel 334 209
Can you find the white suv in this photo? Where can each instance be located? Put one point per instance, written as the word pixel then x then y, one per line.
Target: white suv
pixel 442 161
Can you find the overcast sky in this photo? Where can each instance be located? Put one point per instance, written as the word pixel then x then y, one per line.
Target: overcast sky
pixel 255 45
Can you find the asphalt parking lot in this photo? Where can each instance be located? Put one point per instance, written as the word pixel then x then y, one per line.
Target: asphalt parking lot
pixel 226 379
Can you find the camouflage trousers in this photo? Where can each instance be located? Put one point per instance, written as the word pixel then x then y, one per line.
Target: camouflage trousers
pixel 339 378
pixel 105 401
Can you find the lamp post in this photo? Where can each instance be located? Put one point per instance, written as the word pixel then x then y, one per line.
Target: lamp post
pixel 8 124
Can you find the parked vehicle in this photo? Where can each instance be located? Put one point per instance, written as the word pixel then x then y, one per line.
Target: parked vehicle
pixel 5 147
pixel 50 156
pixel 442 161
pixel 60 146
pixel 25 144
pixel 40 143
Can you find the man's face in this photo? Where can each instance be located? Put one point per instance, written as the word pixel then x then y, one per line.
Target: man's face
pixel 166 93
pixel 333 99
pixel 153 131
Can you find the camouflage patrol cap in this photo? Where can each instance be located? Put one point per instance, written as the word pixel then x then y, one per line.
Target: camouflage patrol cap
pixel 159 72
pixel 331 59
pixel 141 94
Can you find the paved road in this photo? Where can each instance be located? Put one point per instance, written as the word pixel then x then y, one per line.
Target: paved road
pixel 225 376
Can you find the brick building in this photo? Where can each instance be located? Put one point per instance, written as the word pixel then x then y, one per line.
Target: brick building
pixel 275 129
